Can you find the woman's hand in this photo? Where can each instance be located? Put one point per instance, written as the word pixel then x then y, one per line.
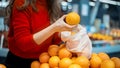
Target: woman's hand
pixel 60 25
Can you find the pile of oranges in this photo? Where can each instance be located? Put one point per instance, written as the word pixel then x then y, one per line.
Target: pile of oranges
pixel 100 36
pixel 60 57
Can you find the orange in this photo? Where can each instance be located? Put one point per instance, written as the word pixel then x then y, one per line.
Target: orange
pixel 74 66
pixel 44 53
pixel 116 60
pixel 53 61
pixel 44 57
pixel 62 45
pixel 73 33
pixel 95 61
pixel 103 56
pixel 53 50
pixel 73 59
pixel 64 53
pixel 72 18
pixel 53 46
pixel 55 67
pixel 44 65
pixel 107 64
pixel 2 66
pixel 94 36
pixel 65 63
pixel 82 61
pixel 35 64
pixel 93 54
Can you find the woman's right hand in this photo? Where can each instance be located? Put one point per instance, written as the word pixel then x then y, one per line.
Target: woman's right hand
pixel 61 25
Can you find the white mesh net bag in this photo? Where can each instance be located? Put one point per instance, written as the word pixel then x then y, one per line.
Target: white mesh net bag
pixel 77 41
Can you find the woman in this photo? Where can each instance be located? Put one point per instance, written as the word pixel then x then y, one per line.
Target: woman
pixel 34 25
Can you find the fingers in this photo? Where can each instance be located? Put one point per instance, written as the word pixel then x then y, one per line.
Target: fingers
pixel 64 26
pixel 63 17
pixel 71 26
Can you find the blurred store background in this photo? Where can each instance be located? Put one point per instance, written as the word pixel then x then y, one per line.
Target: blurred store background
pixel 100 17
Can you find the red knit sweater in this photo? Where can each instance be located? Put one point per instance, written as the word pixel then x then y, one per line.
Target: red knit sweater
pixel 22 27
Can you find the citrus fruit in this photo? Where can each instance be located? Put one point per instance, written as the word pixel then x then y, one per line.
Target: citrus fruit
pixel 93 54
pixel 62 45
pixel 95 61
pixel 116 60
pixel 35 64
pixel 82 61
pixel 73 59
pixel 74 66
pixel 72 18
pixel 44 65
pixel 64 53
pixel 73 33
pixel 53 61
pixel 44 57
pixel 107 64
pixel 103 56
pixel 55 67
pixel 53 50
pixel 2 66
pixel 65 63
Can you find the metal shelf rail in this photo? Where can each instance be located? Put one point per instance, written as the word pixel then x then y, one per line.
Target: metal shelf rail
pixel 103 46
pixel 107 49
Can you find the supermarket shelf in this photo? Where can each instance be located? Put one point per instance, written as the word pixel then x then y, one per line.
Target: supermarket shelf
pixel 107 49
pixel 106 46
pixel 3 52
pixel 102 41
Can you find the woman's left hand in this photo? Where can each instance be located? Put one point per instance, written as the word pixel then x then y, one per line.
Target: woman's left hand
pixel 61 25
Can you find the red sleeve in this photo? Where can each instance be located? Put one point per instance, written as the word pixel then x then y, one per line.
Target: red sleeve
pixel 57 39
pixel 22 31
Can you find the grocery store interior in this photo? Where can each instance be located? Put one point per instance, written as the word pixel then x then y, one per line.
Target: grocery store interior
pixel 100 17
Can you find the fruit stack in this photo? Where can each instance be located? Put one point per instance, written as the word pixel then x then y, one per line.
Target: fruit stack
pixel 60 57
pixel 99 36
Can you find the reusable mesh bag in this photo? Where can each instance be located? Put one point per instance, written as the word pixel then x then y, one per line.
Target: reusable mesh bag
pixel 77 41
